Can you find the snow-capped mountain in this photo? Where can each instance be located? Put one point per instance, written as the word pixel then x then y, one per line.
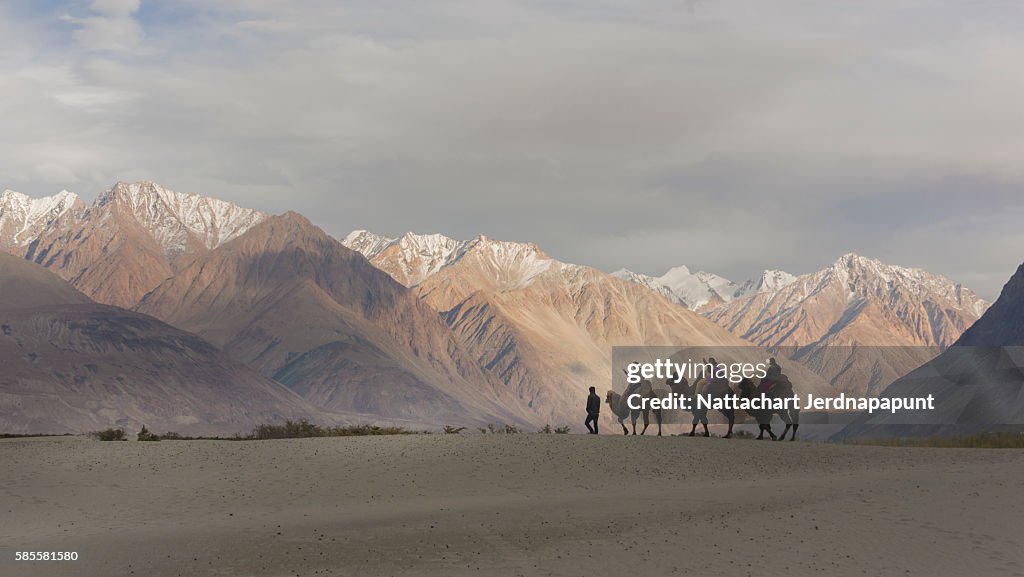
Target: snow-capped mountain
pixel 771 280
pixel 413 258
pixel 545 327
pixel 367 243
pixel 134 236
pixel 23 219
pixel 693 290
pixel 295 304
pixel 702 291
pixel 174 219
pixel 857 302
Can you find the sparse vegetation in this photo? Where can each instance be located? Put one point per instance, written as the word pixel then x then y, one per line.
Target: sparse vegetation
pixel 500 429
pixel 451 430
pixel 146 435
pixel 741 434
pixel 1000 440
pixel 563 430
pixel 109 435
pixel 30 435
pixel 304 429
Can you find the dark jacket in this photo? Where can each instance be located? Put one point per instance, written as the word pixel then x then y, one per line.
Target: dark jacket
pixel 593 404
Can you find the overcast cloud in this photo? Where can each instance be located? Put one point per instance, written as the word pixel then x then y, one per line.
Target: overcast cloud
pixel 727 136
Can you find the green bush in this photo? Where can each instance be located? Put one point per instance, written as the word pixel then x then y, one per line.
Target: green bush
pixel 145 435
pixel 304 429
pixel 109 435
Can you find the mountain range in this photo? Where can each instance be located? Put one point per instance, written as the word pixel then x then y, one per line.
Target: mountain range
pixel 431 329
pixel 134 236
pixel 545 327
pixel 977 384
pixel 859 322
pixel 71 364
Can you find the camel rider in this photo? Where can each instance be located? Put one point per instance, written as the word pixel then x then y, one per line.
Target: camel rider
pixel 772 375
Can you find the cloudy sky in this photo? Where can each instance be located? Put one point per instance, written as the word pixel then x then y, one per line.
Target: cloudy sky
pixel 727 136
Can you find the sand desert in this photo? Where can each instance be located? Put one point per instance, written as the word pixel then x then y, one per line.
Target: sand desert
pixel 525 504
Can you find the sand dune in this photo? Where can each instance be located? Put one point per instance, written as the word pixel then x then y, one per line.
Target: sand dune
pixel 509 505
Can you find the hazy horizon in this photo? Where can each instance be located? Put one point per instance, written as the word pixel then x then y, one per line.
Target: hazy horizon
pixel 728 137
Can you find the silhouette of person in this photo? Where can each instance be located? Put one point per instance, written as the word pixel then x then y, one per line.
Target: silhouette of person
pixel 771 376
pixel 593 410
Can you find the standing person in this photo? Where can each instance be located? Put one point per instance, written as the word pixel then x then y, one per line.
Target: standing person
pixel 593 410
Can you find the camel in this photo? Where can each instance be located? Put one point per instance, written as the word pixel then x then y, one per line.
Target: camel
pixel 717 388
pixel 783 388
pixel 620 407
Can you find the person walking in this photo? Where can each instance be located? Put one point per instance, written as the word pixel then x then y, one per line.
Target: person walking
pixel 593 410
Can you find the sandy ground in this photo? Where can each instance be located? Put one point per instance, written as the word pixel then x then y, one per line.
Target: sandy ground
pixel 533 504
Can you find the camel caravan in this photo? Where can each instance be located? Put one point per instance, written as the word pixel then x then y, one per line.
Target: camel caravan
pixel 774 385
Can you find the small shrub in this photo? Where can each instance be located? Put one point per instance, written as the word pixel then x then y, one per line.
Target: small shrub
pixel 109 435
pixel 145 435
pixel 450 430
pixel 304 429
pixel 546 430
pixel 511 430
pixel 563 430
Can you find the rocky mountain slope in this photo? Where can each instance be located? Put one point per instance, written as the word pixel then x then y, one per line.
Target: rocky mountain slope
pixel 1002 324
pixel 71 365
pixel 547 328
pixel 24 219
pixel 134 236
pixel 977 383
pixel 297 305
pixel 859 321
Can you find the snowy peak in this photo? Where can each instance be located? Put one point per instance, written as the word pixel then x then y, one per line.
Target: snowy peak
pixel 871 278
pixel 513 264
pixel 413 258
pixel 692 290
pixel 771 280
pixel 367 243
pixel 23 219
pixel 924 309
pixel 174 218
pixel 410 259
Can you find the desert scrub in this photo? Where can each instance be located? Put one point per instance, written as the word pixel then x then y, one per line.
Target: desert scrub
pixel 500 429
pixel 109 435
pixel 450 430
pixel 304 429
pixel 145 435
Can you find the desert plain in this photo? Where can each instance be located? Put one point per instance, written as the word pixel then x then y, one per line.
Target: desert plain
pixel 521 504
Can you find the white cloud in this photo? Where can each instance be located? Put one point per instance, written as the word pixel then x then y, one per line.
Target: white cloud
pixel 112 27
